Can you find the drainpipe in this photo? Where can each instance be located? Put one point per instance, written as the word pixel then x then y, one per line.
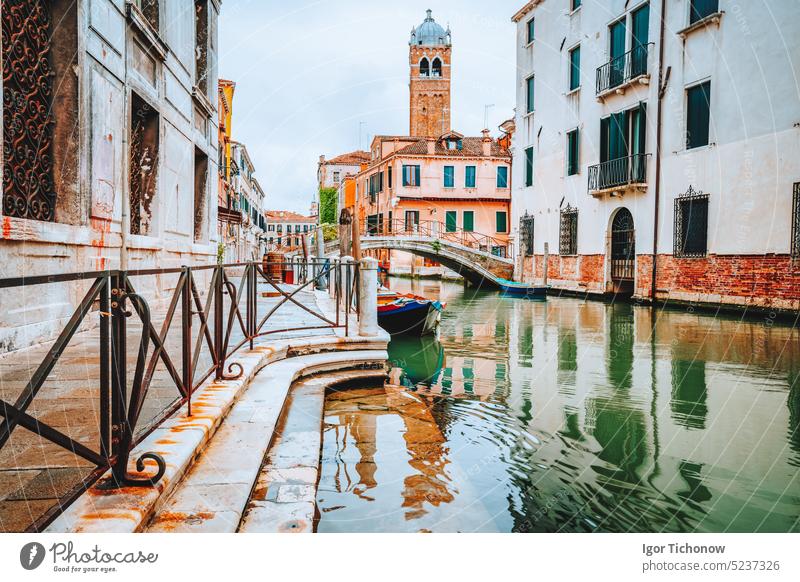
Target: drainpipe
pixel 662 87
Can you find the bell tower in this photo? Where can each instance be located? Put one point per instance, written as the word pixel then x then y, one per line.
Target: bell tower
pixel 429 86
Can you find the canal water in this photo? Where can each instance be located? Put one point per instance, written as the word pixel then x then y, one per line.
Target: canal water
pixel 570 415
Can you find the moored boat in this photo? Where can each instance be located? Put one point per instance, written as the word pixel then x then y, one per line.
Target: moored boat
pixel 407 313
pixel 515 289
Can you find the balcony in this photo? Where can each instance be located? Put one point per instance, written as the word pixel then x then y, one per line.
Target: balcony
pixel 616 176
pixel 620 72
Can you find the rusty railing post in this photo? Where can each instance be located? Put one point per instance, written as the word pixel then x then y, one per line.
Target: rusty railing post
pixel 186 336
pixel 218 306
pixel 118 378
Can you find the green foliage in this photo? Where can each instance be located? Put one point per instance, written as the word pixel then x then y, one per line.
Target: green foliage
pixel 437 246
pixel 330 232
pixel 327 205
pixel 220 252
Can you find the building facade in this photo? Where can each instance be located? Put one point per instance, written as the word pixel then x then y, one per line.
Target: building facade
pixel 251 241
pixel 286 231
pixel 229 217
pixel 436 186
pixel 110 145
pixel 655 152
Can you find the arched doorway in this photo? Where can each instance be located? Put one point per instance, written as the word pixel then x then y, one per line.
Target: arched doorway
pixel 623 247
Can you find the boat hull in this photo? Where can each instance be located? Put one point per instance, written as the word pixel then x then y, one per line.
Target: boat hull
pixel 413 318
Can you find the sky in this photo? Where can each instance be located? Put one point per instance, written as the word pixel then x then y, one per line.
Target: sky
pixel 324 76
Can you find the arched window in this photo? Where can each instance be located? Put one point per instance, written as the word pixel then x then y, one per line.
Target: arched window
pixel 437 67
pixel 424 68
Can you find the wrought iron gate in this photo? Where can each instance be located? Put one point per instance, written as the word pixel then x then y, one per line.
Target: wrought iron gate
pixel 623 247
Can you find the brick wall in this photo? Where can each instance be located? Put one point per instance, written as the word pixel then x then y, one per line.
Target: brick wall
pixel 582 272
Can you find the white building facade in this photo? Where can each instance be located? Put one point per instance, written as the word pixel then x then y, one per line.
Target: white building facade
pixel 251 241
pixel 110 147
pixel 666 130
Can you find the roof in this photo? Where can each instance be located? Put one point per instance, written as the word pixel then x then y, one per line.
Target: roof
pixel 349 159
pixel 430 33
pixel 287 216
pixel 524 10
pixel 472 147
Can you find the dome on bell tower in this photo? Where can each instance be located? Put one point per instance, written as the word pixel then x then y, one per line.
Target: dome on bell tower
pixel 430 33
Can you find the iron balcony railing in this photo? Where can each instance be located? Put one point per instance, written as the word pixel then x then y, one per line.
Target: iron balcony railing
pixel 213 312
pixel 623 69
pixel 619 172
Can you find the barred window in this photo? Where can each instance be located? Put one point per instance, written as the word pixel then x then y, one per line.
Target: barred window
pixel 796 221
pixel 691 224
pixel 568 235
pixel 526 234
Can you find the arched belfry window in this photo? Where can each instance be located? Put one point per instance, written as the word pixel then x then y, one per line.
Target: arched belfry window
pixel 424 68
pixel 437 67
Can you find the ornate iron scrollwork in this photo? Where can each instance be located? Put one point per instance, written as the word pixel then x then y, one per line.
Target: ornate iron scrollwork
pixel 28 186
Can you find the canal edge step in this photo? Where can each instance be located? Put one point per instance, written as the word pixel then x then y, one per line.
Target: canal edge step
pixel 180 439
pixel 220 487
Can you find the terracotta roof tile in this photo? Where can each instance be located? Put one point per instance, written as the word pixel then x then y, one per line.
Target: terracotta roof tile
pixel 472 147
pixel 350 159
pixel 287 216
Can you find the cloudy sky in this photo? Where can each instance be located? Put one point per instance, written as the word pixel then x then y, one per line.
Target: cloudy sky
pixel 320 77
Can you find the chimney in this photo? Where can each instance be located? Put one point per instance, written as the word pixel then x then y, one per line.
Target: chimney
pixel 322 159
pixel 487 143
pixel 431 143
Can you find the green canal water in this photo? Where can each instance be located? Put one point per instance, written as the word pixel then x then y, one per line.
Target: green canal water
pixel 570 415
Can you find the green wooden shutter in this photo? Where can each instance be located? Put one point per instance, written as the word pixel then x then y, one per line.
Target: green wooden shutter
pixel 469 220
pixel 469 179
pixel 530 88
pixel 530 31
pixel 698 115
pixel 502 177
pixel 416 176
pixel 575 68
pixel 618 138
pixel 529 167
pixel 451 220
pixel 501 221
pixel 449 175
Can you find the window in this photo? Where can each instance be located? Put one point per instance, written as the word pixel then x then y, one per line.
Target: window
pixel 500 221
pixel 575 68
pixel 410 175
pixel 529 166
pixel 699 9
pixel 336 177
pixel 691 224
pixel 149 8
pixel 143 164
pixel 469 178
pixel 575 4
pixel 436 67
pixel 640 36
pixel 573 159
pixel 502 176
pixel 389 177
pixel 424 68
pixel 449 176
pixel 529 94
pixel 271 228
pixel 795 250
pixel 412 220
pixel 200 189
pixel 568 231
pixel 305 228
pixel 468 221
pixel 530 30
pixel 698 115
pixel 450 220
pixel 526 234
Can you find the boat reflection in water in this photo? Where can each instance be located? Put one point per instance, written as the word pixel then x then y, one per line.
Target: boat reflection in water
pixel 570 415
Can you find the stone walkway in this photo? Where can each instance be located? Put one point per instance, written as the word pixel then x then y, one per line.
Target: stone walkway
pixel 35 473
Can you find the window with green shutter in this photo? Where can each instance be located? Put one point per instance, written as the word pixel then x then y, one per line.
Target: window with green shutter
pixel 529 166
pixel 575 68
pixel 572 153
pixel 468 219
pixel 576 4
pixel 450 220
pixel 530 89
pixel 410 175
pixel 698 115
pixel 500 218
pixel 699 9
pixel 469 178
pixel 530 31
pixel 449 176
pixel 502 176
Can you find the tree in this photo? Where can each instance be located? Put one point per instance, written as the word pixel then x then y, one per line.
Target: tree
pixel 327 205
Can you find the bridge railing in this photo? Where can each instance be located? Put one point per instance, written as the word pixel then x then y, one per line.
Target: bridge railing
pixel 436 230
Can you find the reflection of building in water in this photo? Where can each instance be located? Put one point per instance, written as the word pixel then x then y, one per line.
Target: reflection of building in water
pixel 793 402
pixel 689 393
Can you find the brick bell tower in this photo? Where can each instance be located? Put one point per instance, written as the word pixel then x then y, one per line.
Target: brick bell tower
pixel 429 60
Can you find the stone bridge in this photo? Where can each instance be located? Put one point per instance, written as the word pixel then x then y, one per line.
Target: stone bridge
pixel 479 267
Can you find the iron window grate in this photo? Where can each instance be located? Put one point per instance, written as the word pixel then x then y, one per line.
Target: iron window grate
pixel 568 235
pixel 691 224
pixel 526 231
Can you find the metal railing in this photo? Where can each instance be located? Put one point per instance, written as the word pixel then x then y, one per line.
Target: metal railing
pixel 623 68
pixel 619 172
pixel 498 245
pixel 219 320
